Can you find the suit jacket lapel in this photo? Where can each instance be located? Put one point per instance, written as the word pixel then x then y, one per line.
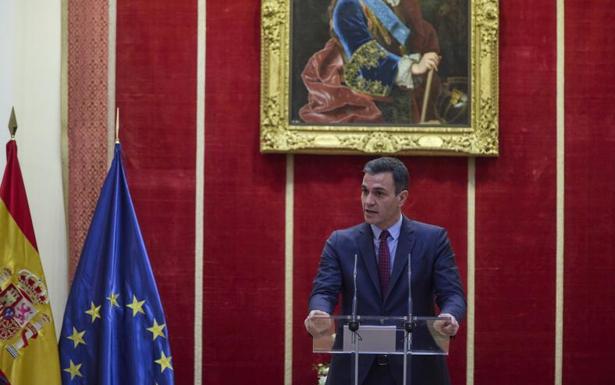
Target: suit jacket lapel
pixel 366 248
pixel 404 245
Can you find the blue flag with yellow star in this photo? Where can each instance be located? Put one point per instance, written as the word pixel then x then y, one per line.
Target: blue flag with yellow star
pixel 114 330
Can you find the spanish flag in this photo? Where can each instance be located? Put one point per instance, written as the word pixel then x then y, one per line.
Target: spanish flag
pixel 28 345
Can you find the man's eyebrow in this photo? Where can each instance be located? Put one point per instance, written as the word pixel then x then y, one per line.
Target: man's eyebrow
pixel 375 189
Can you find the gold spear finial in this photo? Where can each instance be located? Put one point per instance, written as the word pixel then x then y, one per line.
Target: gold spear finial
pixel 12 123
pixel 117 125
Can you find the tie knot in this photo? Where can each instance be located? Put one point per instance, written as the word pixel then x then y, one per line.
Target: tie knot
pixel 384 235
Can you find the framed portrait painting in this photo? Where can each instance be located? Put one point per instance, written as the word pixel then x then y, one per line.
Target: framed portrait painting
pixel 379 76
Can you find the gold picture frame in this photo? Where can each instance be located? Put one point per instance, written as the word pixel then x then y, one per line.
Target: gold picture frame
pixel 282 133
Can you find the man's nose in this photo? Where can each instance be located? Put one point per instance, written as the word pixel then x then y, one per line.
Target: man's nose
pixel 369 199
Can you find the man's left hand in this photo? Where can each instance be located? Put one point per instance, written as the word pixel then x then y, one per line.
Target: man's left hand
pixel 447 327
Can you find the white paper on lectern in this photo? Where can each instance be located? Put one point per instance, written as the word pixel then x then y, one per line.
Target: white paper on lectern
pixel 372 339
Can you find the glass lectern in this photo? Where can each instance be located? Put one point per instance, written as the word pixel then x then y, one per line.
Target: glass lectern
pixel 380 335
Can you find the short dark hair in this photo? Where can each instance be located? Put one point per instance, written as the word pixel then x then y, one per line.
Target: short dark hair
pixel 392 165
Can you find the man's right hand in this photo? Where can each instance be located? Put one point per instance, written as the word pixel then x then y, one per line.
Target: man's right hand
pixel 429 61
pixel 317 323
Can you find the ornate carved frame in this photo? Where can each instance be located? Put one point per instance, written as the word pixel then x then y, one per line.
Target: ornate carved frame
pixel 277 134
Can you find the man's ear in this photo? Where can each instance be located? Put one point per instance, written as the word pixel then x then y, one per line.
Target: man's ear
pixel 402 196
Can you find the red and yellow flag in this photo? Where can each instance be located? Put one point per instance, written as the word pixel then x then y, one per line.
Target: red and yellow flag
pixel 28 344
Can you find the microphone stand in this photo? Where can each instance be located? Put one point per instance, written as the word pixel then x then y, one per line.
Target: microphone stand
pixel 353 326
pixel 409 324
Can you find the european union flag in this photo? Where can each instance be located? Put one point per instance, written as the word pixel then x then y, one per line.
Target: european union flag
pixel 114 331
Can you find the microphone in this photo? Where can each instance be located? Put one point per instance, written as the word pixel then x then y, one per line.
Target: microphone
pixel 353 326
pixel 410 323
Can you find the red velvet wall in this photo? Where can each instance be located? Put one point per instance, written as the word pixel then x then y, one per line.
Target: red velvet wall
pixel 244 197
pixel 515 208
pixel 590 194
pixel 243 337
pixel 156 76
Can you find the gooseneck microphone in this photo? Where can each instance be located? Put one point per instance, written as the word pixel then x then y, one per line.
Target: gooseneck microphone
pixel 409 323
pixel 353 326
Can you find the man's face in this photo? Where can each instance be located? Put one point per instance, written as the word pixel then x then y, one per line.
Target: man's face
pixel 381 206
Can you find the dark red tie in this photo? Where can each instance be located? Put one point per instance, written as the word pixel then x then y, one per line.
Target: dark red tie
pixel 384 263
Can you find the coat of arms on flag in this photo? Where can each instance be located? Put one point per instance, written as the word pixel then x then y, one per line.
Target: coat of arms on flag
pixel 19 316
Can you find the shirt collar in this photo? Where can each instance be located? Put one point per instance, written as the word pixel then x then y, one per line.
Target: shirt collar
pixel 393 3
pixel 394 230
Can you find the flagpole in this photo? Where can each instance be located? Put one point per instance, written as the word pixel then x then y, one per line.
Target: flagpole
pixel 13 123
pixel 117 125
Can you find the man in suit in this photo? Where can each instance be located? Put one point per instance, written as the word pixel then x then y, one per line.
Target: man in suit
pixel 384 244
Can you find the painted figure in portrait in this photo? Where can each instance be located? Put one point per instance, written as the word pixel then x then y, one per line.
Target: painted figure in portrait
pixel 373 64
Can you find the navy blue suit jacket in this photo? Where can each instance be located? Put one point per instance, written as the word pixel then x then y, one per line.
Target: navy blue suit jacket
pixel 434 277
